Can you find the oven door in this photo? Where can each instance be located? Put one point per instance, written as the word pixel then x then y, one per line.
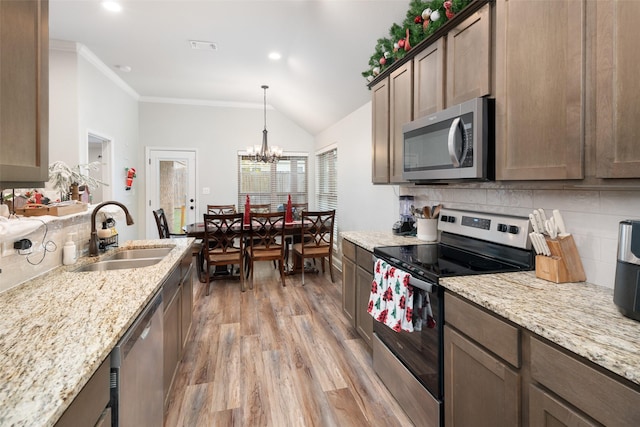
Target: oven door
pixel 419 351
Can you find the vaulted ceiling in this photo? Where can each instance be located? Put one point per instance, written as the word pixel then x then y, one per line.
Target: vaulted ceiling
pixel 324 44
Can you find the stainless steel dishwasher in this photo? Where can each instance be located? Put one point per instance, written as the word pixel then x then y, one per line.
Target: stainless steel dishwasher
pixel 136 371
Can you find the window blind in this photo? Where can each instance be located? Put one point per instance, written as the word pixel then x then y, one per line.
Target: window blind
pixel 272 183
pixel 327 182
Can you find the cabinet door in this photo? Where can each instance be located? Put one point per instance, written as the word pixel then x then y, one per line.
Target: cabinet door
pixel 364 321
pixel 540 86
pixel 380 132
pixel 547 411
pixel 349 290
pixel 428 84
pixel 617 107
pixel 400 113
pixel 24 100
pixel 480 390
pixel 469 58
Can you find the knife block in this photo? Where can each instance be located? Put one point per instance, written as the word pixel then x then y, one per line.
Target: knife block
pixel 564 264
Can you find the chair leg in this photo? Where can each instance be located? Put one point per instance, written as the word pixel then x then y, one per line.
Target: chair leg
pixel 251 268
pixel 331 269
pixel 302 260
pixel 207 278
pixel 282 272
pixel 240 273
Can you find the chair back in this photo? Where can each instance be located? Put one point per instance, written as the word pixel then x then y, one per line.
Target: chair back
pixel 221 209
pixel 267 234
pixel 265 208
pixel 317 231
pixel 223 232
pixel 162 224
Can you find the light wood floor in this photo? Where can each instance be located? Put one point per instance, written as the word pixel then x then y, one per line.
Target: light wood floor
pixel 275 356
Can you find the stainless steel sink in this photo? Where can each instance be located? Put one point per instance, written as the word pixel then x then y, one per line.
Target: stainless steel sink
pixel 140 253
pixel 119 264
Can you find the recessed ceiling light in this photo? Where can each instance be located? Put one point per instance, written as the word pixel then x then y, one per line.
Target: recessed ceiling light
pixel 123 68
pixel 274 56
pixel 203 45
pixel 112 6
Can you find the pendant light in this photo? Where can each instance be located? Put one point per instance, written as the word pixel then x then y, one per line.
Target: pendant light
pixel 262 153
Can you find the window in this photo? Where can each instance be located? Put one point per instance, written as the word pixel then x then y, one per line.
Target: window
pixel 327 182
pixel 272 183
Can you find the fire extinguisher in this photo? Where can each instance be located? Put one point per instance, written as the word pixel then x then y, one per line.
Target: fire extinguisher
pixel 131 173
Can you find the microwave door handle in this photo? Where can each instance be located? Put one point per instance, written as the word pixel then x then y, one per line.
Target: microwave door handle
pixel 456 143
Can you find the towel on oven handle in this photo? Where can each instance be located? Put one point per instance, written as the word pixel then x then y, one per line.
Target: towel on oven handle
pixel 391 299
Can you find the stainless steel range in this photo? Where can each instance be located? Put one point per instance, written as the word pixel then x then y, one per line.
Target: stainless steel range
pixel 411 364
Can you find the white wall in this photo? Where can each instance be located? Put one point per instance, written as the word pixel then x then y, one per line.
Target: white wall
pixel 218 133
pixel 591 216
pixel 361 205
pixel 87 96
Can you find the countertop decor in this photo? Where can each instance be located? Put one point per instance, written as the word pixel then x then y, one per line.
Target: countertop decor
pixel 59 327
pixel 580 317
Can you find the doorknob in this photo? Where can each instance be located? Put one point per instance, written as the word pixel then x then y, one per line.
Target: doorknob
pixel 191 207
pixel 191 200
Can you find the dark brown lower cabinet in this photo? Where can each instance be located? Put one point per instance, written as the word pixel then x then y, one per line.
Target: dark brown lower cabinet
pixel 349 281
pixel 364 321
pixel 500 374
pixel 480 389
pixel 545 410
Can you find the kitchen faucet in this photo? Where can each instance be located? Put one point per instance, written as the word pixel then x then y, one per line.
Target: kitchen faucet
pixel 93 241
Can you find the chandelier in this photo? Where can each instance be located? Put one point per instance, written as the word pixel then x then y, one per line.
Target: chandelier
pixel 262 153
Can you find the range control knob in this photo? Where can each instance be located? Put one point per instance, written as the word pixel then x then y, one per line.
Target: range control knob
pixel 514 229
pixel 451 219
pixel 444 218
pixel 502 228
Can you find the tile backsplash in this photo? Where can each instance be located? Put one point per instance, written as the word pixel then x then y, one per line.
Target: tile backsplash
pixel 591 216
pixel 47 249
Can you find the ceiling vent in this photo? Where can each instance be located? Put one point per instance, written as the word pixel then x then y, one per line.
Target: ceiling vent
pixel 202 45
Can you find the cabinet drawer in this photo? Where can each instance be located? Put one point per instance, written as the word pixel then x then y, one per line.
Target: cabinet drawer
pixel 489 331
pixel 349 249
pixel 364 259
pixel 601 397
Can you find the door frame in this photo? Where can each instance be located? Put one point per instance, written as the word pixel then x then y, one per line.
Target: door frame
pixel 106 166
pixel 149 223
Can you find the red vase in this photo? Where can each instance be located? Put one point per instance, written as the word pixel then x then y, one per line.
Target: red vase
pixel 247 209
pixel 288 216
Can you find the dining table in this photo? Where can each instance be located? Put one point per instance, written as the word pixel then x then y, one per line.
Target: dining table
pixel 196 230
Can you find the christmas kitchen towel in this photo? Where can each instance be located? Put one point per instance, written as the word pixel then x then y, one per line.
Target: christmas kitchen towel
pixel 391 299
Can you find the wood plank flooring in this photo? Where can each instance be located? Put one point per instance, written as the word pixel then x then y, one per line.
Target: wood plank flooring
pixel 275 356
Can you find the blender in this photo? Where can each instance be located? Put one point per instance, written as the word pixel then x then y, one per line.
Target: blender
pixel 405 226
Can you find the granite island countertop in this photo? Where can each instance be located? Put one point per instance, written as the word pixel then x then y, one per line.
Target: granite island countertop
pixel 580 317
pixel 56 330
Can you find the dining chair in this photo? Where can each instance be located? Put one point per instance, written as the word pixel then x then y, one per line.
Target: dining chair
pixel 316 239
pixel 223 244
pixel 264 208
pixel 164 233
pixel 221 209
pixel 267 241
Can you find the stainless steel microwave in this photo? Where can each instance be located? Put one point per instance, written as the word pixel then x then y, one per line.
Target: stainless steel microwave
pixel 452 144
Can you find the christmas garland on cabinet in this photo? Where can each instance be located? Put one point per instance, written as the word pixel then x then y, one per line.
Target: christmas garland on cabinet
pixel 423 19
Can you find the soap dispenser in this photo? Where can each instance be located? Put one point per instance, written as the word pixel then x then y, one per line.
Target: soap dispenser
pixel 69 253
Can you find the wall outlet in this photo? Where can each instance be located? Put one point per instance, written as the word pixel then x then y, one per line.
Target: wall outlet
pixel 206 190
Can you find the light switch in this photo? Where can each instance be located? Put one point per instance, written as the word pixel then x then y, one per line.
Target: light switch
pixel 206 190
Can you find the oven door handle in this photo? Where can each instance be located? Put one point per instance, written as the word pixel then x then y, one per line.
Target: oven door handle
pixel 421 284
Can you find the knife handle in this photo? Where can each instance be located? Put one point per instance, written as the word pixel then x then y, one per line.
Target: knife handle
pixel 562 229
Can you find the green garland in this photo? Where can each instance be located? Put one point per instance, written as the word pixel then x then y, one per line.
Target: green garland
pixel 389 50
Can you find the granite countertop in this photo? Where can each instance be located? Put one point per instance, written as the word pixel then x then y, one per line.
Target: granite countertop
pixel 581 317
pixel 371 239
pixel 56 330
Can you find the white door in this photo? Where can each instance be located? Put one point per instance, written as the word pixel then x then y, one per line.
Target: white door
pixel 171 185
